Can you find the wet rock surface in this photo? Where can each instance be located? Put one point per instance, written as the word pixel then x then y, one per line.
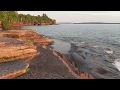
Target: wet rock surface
pixel 93 62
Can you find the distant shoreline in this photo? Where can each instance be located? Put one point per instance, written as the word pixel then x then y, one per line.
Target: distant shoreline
pixel 89 23
pixel 95 23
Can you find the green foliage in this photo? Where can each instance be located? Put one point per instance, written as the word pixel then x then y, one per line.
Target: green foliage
pixel 35 19
pixel 8 17
pixel 6 25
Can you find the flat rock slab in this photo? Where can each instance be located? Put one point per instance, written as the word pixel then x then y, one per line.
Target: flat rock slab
pixel 12 48
pixel 47 66
pixel 7 40
pixel 27 35
pixel 12 69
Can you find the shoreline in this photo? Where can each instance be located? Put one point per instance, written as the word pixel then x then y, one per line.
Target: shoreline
pixel 64 56
pixel 85 59
pixel 45 53
pixel 51 65
pixel 44 62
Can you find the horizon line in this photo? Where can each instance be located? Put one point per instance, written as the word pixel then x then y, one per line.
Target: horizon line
pixel 88 22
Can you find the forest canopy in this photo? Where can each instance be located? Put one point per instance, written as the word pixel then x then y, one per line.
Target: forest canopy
pixel 9 17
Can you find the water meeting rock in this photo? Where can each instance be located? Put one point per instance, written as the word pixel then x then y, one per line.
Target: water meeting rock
pixel 94 61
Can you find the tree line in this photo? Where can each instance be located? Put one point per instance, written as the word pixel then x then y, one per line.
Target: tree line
pixel 7 18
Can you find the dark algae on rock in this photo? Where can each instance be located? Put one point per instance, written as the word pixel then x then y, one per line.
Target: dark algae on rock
pixel 94 61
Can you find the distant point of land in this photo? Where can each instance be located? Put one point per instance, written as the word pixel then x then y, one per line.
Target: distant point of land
pixel 88 23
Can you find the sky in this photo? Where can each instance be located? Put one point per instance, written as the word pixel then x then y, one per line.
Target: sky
pixel 79 16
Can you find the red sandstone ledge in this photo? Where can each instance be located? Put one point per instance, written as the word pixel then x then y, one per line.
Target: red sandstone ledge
pixel 29 49
pixel 18 45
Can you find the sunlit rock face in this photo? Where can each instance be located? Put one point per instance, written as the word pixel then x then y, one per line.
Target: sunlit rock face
pixel 17 49
pixel 27 35
pixel 13 49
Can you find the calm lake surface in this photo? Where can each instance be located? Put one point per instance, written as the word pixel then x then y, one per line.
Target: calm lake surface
pixel 103 35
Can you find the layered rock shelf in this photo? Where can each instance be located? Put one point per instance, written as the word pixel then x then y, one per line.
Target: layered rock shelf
pixel 13 69
pixel 29 36
pixel 23 49
pixel 24 54
pixel 13 49
pixel 17 49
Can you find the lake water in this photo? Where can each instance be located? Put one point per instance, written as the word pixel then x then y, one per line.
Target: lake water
pixel 101 35
pixel 104 35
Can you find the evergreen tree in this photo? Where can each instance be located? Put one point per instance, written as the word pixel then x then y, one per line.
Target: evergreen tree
pixel 7 18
